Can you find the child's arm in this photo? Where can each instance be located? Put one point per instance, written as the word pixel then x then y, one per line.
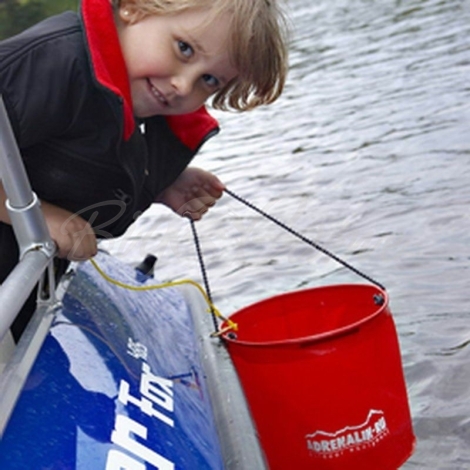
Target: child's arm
pixel 74 236
pixel 193 193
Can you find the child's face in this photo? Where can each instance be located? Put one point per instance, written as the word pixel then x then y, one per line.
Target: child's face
pixel 174 63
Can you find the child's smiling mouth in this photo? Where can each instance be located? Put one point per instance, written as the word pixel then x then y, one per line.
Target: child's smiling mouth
pixel 157 94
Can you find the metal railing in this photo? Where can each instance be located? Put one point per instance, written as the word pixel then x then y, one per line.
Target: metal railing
pixel 35 244
pixel 36 252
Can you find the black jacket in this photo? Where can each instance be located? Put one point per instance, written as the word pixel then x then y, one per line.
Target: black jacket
pixel 67 95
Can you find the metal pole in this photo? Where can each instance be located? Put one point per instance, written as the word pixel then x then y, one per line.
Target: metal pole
pixel 17 370
pixel 35 244
pixel 14 177
pixel 23 206
pixel 18 286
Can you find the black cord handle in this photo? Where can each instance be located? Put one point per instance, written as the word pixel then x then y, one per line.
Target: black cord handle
pixel 303 238
pixel 203 272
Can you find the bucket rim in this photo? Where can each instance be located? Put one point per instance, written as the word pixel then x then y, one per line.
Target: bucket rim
pixel 311 338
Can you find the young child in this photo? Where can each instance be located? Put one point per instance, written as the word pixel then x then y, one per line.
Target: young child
pixel 107 107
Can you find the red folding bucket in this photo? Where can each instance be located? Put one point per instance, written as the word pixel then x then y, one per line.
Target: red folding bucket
pixel 322 373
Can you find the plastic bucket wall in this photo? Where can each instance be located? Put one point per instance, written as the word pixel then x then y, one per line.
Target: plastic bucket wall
pixel 321 370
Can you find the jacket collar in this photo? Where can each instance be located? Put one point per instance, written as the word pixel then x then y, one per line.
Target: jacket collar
pixel 106 57
pixel 110 71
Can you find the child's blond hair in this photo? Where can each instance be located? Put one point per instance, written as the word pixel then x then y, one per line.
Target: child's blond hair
pixel 258 45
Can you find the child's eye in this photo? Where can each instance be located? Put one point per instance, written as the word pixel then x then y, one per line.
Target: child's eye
pixel 210 80
pixel 185 49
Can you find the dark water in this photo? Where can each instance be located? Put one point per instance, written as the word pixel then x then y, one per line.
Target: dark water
pixel 368 154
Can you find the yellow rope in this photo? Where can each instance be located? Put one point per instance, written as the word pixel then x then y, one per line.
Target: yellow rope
pixel 230 324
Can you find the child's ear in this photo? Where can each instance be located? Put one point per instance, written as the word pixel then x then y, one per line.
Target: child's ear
pixel 126 15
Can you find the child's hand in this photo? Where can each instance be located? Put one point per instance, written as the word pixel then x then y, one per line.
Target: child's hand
pixel 193 193
pixel 73 235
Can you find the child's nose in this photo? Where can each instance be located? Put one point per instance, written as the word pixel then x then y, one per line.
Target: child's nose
pixel 183 84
